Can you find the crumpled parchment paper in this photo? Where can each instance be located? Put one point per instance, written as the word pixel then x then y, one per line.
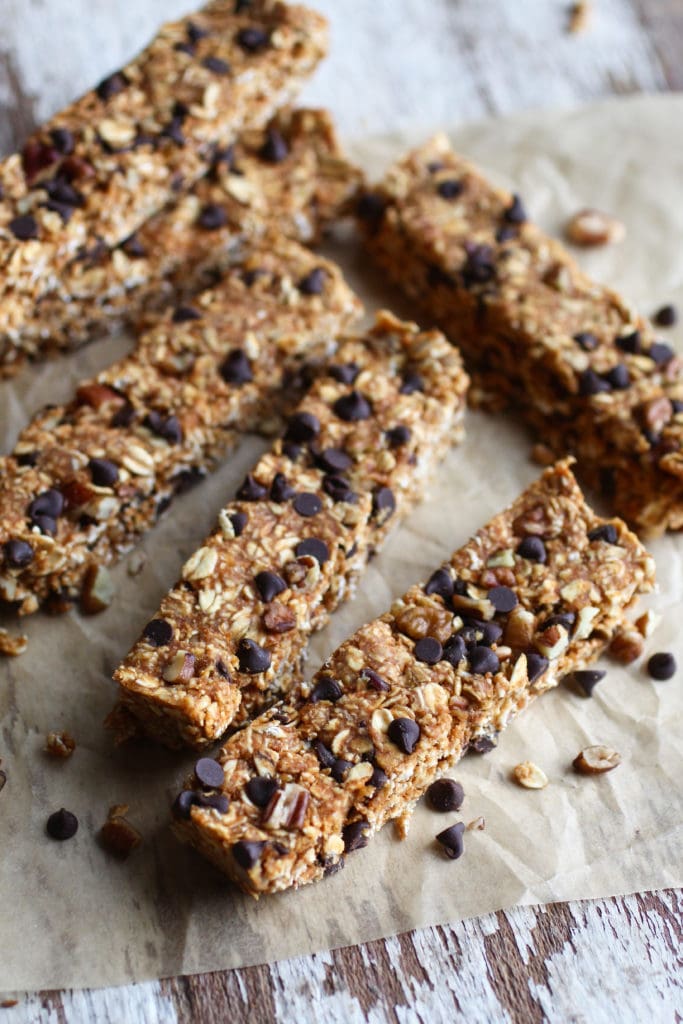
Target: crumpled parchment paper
pixel 72 916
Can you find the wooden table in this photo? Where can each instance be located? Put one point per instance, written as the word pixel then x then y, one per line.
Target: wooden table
pixel 441 62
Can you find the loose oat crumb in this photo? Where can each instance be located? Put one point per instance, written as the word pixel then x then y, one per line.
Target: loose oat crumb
pixel 60 744
pixel 12 646
pixel 476 825
pixel 136 563
pixel 529 775
pixel 593 227
pixel 596 760
pixel 402 825
pixel 117 835
pixel 579 16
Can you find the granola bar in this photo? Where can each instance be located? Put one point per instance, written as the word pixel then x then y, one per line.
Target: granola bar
pixel 581 367
pixel 86 479
pixel 98 169
pixel 291 175
pixel 229 638
pixel 536 593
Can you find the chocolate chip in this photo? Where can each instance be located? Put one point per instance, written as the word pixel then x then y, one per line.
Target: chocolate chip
pixel 506 233
pixel 187 48
pixel 112 85
pixel 260 790
pixel 482 745
pixel 182 314
pixel 441 583
pixel 662 665
pixel 334 460
pixel 404 732
pixel 324 754
pixel 491 632
pixel 216 801
pixel 327 689
pixel 515 213
pixel 606 532
pixel 483 660
pixel 252 658
pixel 452 840
pixel 618 377
pixel 352 407
pixel 134 248
pixel 269 585
pixel 338 488
pixel 412 382
pixel 48 504
pixel 307 504
pixel 590 383
pixel 631 343
pixel 274 149
pixel 660 353
pixel 158 632
pixel 532 548
pixel 251 489
pixel 449 189
pixel 209 773
pixel 445 795
pixel 374 680
pixel 27 458
pixel 355 835
pixel 63 140
pixel 398 436
pixel 383 502
pixel 62 825
pixel 314 547
pixel 183 804
pixel 313 283
pixel 454 651
pixel 24 227
pixel 174 129
pixel 479 266
pixel 291 450
pixel 236 368
pixel 503 599
pixel 666 316
pixel 587 679
pixel 46 524
pixel 238 521
pixel 536 665
pixel 195 32
pixel 212 217
pixel 345 374
pixel 124 416
pixel 215 64
pixel 428 650
pixel 586 340
pixel 247 852
pixel 378 779
pixel 222 669
pixel 18 553
pixel 303 428
pixel 103 472
pixel 280 490
pixel 166 427
pixel 370 208
pixel 252 39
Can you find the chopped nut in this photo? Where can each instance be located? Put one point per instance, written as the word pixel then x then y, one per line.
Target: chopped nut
pixel 117 835
pixel 12 645
pixel 278 618
pixel 179 669
pixel 504 557
pixel 529 775
pixel 287 807
pixel 627 645
pixel 596 760
pixel 98 590
pixel 476 825
pixel 60 744
pixel 592 227
pixel 553 641
pixel 648 622
pixel 117 134
pixel 519 629
pixel 657 413
pixel 584 625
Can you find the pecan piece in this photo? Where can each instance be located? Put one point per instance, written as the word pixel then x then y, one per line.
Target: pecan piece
pixel 278 618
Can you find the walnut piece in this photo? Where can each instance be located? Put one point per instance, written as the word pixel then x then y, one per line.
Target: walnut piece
pixel 596 760
pixel 59 744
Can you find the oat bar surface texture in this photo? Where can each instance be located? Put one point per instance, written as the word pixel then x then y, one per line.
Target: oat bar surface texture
pixel 536 593
pixel 356 456
pixel 86 479
pixel 98 169
pixel 570 355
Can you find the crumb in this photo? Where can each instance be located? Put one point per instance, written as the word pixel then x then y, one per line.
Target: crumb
pixel 60 744
pixel 117 835
pixel 579 16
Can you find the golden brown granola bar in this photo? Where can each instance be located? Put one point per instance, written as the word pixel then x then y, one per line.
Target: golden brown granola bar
pixel 535 594
pixel 290 175
pixel 86 479
pixel 98 169
pixel 229 638
pixel 582 368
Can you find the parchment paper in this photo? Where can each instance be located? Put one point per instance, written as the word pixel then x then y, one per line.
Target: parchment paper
pixel 72 916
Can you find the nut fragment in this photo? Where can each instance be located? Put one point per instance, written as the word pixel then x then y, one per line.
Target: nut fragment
pixel 136 563
pixel 657 413
pixel 627 645
pixel 12 645
pixel 542 455
pixel 180 668
pixel 278 618
pixel 596 760
pixel 117 134
pixel 529 775
pixel 98 590
pixel 477 824
pixel 117 835
pixel 287 807
pixel 60 744
pixel 592 227
pixel 648 622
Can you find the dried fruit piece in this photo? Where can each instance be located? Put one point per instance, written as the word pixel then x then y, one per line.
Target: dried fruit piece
pixel 592 227
pixel 529 775
pixel 596 760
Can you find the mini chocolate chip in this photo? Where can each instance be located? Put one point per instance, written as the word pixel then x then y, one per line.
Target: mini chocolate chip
pixel 454 651
pixel 307 504
pixel 677 404
pixel 134 248
pixel 269 585
pixel 324 754
pixel 536 665
pixel 303 427
pixel 251 489
pixel 383 502
pixel 314 547
pixel 586 340
pixel 49 503
pixel 215 64
pixel 46 524
pixel 506 233
pixel 483 660
pixel 209 773
pixel 212 217
pixel 327 689
pixel 352 407
pixel 18 553
pixel 24 227
pixel 183 804
pixel 618 377
pixel 345 374
pixel 247 852
pixel 260 790
pixel 252 658
pixel 374 681
pixel 338 488
pixel 532 548
pixel 483 745
pixel 280 490
pixel 166 427
pixel 174 129
pixel 503 599
pixel 662 666
pixel 590 383
pixel 355 835
pixel 631 343
pixel 236 368
pixel 187 48
pixel 158 632
pixel 515 213
pixel 587 679
pixel 445 795
pixel 182 314
pixel 428 650
pixel 449 189
pixel 398 436
pixel 62 825
pixel 111 85
pixel 452 840
pixel 313 283
pixel 334 460
pixel 479 266
pixel 238 521
pixel 124 416
pixel 666 316
pixel 378 779
pixel 216 801
pixel 412 382
pixel 291 450
pixel 252 39
pixel 606 532
pixel 566 619
pixel 274 149
pixel 103 472
pixel 404 732
pixel 441 583
pixel 660 353
pixel 370 208
pixel 63 140
pixel 222 669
